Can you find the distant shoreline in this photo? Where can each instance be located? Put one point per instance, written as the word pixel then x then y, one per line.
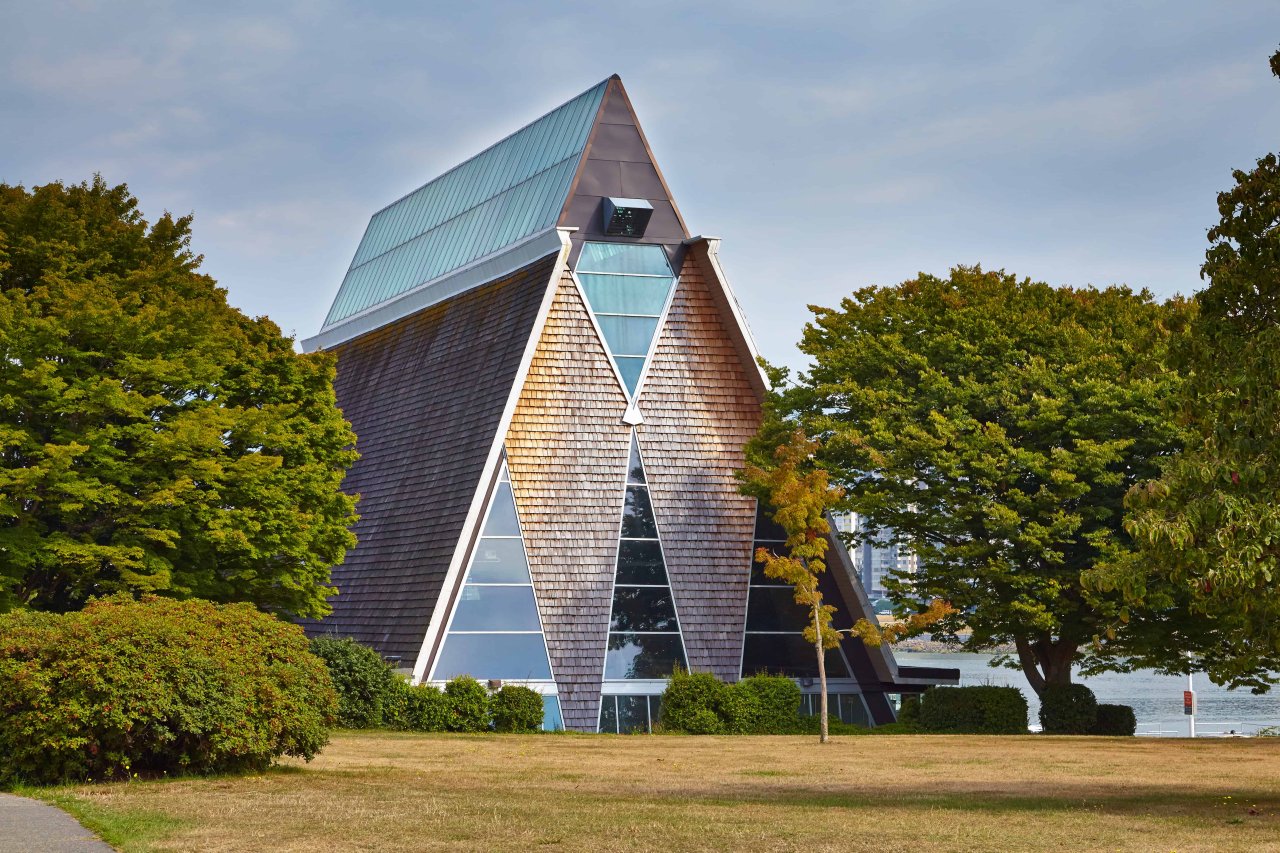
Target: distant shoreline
pixel 926 645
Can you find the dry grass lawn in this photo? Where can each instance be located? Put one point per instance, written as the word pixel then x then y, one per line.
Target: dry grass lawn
pixel 886 793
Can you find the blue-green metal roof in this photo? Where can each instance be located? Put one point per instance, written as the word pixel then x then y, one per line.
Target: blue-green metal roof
pixel 504 194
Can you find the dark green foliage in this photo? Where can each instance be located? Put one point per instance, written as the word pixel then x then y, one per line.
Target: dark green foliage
pixel 156 440
pixel 156 686
pixel 1068 709
pixel 468 704
pixel 974 710
pixel 516 709
pixel 909 712
pixel 770 704
pixel 1117 720
pixel 696 702
pixel 361 677
pixel 415 709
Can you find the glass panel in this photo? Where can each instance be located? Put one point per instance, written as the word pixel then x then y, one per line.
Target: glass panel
pixel 502 514
pixel 640 562
pixel 509 656
pixel 655 710
pixel 767 528
pixel 551 719
pixel 496 608
pixel 633 714
pixel 626 294
pixel 634 258
pixel 852 709
pixel 499 561
pixel 643 608
pixel 758 577
pixel 630 367
pixel 637 515
pixel 627 335
pixel 787 654
pixel 775 609
pixel 635 470
pixel 643 656
pixel 609 714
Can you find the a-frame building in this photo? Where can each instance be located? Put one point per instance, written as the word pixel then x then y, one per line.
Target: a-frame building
pixel 552 384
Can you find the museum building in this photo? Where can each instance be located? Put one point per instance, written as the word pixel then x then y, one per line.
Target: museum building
pixel 552 384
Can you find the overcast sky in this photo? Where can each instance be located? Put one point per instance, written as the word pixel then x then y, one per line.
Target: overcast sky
pixel 831 145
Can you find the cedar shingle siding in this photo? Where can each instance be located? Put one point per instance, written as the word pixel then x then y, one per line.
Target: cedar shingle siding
pixel 425 396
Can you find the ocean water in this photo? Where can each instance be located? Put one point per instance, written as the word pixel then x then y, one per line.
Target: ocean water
pixel 1156 699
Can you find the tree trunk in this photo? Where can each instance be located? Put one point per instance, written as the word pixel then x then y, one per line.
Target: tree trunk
pixel 823 735
pixel 1045 661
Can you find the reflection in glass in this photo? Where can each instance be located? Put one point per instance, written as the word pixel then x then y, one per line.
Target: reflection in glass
pixel 552 721
pixel 502 515
pixel 630 367
pixel 633 714
pixel 767 528
pixel 643 656
pixel 629 258
pixel 499 561
pixel 628 335
pixel 635 470
pixel 483 656
pixel 643 608
pixel 626 294
pixel 496 608
pixel 640 561
pixel 787 654
pixel 609 714
pixel 775 609
pixel 637 515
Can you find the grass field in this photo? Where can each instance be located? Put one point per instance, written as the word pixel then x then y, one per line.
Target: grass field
pixel 905 793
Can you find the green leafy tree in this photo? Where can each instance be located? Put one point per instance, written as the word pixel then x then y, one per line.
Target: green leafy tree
pixel 1209 526
pixel 995 425
pixel 799 494
pixel 153 438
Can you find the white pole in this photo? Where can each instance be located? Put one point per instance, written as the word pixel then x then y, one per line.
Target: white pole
pixel 1191 720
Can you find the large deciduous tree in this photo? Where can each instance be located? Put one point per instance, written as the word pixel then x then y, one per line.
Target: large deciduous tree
pixel 995 424
pixel 153 438
pixel 1210 525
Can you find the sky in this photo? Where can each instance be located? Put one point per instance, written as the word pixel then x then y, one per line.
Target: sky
pixel 831 146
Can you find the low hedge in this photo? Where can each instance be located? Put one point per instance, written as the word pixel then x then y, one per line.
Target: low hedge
pixel 1068 709
pixel 410 708
pixel 973 710
pixel 698 703
pixel 155 687
pixel 516 709
pixel 1115 720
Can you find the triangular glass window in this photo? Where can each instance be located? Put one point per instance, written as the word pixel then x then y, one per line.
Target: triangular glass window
pixel 627 287
pixel 494 631
pixel 774 641
pixel 644 630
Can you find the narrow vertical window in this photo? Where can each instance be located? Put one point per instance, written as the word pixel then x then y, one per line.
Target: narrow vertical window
pixel 494 632
pixel 644 631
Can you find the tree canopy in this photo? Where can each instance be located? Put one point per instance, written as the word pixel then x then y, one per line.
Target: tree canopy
pixel 152 437
pixel 1210 524
pixel 995 424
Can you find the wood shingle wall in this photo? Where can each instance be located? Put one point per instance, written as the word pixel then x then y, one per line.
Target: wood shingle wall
pixel 699 410
pixel 567 453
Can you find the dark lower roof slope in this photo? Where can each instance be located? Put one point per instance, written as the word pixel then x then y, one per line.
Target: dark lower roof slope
pixel 425 396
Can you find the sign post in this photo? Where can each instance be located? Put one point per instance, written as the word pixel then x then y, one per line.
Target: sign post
pixel 1189 705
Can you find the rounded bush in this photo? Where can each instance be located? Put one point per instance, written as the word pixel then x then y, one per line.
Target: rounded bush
pixel 362 678
pixel 516 709
pixel 974 710
pixel 468 705
pixel 770 704
pixel 415 709
pixel 1067 709
pixel 909 711
pixel 692 700
pixel 156 686
pixel 1117 720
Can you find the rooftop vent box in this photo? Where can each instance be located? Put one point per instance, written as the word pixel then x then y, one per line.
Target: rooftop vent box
pixel 626 217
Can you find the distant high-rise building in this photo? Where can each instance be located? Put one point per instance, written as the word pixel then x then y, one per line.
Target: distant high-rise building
pixel 876 562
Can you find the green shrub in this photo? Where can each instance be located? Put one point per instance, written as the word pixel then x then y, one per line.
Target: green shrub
pixel 909 711
pixel 516 709
pixel 1116 720
pixel 415 709
pixel 1067 709
pixel 768 704
pixel 362 678
pixel 156 686
pixel 468 705
pixel 974 710
pixel 697 703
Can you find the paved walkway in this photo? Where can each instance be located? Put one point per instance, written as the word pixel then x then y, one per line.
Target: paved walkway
pixel 30 826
